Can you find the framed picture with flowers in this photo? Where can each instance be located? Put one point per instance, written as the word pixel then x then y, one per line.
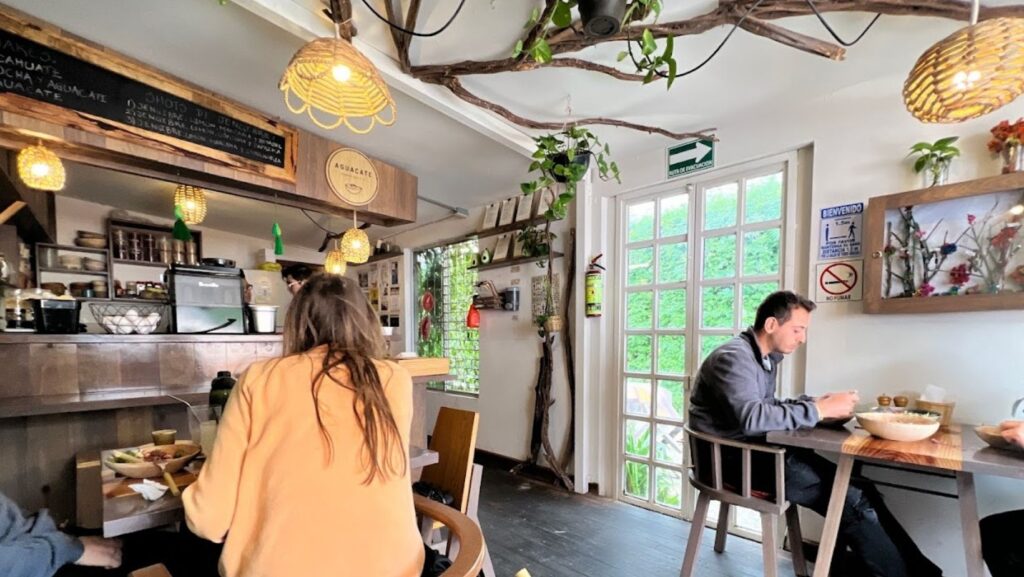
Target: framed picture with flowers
pixel 950 248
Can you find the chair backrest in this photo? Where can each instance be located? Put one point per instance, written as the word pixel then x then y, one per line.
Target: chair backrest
pixel 709 477
pixel 454 439
pixel 470 558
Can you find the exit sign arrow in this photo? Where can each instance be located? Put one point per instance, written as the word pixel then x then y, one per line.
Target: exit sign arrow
pixel 691 156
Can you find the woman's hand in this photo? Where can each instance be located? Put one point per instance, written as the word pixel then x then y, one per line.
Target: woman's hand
pixel 100 552
pixel 1013 431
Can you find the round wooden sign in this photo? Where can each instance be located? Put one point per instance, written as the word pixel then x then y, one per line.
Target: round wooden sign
pixel 352 176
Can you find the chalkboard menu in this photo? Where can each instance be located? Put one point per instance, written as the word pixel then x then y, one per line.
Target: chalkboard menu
pixel 39 72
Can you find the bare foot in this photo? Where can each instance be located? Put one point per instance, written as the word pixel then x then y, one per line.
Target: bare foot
pixel 100 552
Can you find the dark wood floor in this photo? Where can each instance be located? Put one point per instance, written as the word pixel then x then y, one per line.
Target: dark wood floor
pixel 555 534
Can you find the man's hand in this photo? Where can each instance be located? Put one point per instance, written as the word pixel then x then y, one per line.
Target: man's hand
pixel 1013 431
pixel 836 405
pixel 99 552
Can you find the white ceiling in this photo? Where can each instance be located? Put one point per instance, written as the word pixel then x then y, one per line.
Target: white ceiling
pixel 232 51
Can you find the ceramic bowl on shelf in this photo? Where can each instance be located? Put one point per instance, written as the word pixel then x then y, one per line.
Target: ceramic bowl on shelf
pixel 94 264
pixel 905 426
pixel 88 234
pixel 70 261
pixel 91 242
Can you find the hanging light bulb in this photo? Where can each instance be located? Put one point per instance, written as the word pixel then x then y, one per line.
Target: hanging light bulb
pixel 335 262
pixel 330 77
pixel 192 201
pixel 971 72
pixel 355 245
pixel 40 168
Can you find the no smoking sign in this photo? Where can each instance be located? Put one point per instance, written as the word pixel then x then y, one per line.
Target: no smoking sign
pixel 840 281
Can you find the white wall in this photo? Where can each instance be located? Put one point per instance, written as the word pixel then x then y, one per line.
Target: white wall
pixel 509 353
pixel 860 139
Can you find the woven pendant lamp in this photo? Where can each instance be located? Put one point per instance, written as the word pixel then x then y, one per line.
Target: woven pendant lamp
pixel 355 245
pixel 335 262
pixel 971 72
pixel 334 83
pixel 40 168
pixel 192 201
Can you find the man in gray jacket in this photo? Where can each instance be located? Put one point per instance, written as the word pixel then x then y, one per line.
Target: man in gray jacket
pixel 734 398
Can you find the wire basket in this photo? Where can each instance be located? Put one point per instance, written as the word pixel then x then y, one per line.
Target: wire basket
pixel 130 318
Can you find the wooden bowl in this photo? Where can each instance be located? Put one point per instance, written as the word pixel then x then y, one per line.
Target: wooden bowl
pixel 91 242
pixel 147 470
pixel 990 434
pixel 903 426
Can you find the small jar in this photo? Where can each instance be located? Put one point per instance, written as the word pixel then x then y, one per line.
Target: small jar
pixel 192 257
pixel 165 250
pixel 150 252
pixel 884 400
pixel 179 252
pixel 120 245
pixel 134 246
pixel 900 401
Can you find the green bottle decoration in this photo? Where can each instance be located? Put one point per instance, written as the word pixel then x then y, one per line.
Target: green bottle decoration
pixel 278 241
pixel 181 231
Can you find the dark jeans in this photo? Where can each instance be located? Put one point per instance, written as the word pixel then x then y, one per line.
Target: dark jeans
pixel 867 526
pixel 183 554
pixel 1000 543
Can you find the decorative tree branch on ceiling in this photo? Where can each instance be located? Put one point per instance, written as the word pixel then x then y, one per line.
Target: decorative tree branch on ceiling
pixel 551 33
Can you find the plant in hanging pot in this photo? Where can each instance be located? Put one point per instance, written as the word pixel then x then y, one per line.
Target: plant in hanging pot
pixel 933 160
pixel 1007 141
pixel 564 157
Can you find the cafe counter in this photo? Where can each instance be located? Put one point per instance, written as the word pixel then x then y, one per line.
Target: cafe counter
pixel 62 394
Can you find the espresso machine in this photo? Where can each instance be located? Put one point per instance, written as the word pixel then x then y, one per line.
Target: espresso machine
pixel 206 299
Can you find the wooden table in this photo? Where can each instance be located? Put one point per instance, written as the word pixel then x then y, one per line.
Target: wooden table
pixel 955 449
pixel 105 501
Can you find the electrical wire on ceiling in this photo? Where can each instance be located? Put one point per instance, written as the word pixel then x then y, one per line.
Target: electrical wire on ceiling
pixel 413 32
pixel 831 31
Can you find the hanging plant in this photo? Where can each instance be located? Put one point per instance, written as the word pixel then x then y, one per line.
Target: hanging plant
pixel 564 157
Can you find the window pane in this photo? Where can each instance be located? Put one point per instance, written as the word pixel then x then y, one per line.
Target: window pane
pixel 669 488
pixel 672 262
pixel 641 221
pixel 753 295
pixel 671 400
pixel 717 307
pixel 720 256
pixel 637 482
pixel 675 210
pixel 672 309
pixel 672 354
pixel 638 353
pixel 708 343
pixel 640 310
pixel 669 445
pixel 638 438
pixel 764 198
pixel 638 396
pixel 720 206
pixel 640 265
pixel 761 252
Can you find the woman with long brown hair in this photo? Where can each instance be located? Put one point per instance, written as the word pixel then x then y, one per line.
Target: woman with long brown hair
pixel 309 475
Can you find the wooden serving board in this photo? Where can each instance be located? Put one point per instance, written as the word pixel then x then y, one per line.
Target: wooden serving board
pixel 118 486
pixel 944 449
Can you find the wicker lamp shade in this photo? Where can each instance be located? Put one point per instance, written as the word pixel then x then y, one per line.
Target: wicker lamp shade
pixel 330 78
pixel 335 262
pixel 969 73
pixel 355 246
pixel 192 201
pixel 40 168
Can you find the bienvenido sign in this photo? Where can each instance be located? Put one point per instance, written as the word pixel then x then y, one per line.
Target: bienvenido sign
pixel 352 176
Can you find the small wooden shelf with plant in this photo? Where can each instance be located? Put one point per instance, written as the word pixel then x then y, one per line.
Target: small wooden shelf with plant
pixel 514 261
pixel 949 248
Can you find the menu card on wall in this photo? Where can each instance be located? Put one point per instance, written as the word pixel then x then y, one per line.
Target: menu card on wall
pixel 490 216
pixel 501 248
pixel 508 211
pixel 523 208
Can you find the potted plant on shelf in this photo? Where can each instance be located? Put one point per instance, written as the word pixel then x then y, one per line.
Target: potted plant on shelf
pixel 934 158
pixel 536 242
pixel 1006 141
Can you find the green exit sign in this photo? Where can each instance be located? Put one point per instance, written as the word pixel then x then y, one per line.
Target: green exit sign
pixel 690 157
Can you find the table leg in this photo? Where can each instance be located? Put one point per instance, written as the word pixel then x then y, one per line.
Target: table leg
pixel 969 523
pixel 836 502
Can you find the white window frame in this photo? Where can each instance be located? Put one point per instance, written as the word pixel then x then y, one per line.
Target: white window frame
pixel 789 239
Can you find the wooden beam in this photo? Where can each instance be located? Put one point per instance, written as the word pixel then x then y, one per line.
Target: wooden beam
pixel 11 210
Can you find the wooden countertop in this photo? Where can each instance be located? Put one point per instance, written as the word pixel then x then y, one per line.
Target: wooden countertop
pixel 101 338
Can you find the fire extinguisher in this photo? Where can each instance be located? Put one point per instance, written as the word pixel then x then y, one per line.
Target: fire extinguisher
pixel 594 287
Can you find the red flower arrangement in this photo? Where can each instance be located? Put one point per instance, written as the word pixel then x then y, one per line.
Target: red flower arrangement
pixel 1004 132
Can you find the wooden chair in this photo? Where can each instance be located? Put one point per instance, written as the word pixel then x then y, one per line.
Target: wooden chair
pixel 769 506
pixel 466 531
pixel 454 439
pixel 157 570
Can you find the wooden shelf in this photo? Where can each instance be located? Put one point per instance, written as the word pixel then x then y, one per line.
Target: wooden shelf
pixel 515 226
pixel 377 258
pixel 72 248
pixel 73 271
pixel 514 261
pixel 138 263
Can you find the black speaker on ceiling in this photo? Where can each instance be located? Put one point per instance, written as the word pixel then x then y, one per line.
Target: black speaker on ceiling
pixel 602 18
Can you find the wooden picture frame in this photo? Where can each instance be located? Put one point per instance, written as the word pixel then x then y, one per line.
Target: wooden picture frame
pixel 876 243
